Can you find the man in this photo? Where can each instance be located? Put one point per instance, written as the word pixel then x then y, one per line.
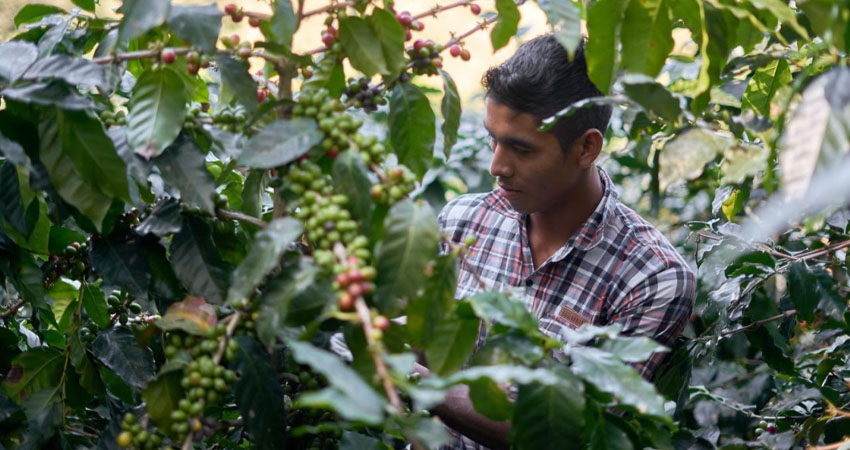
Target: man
pixel 554 226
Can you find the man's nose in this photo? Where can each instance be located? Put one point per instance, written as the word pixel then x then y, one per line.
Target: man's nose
pixel 500 166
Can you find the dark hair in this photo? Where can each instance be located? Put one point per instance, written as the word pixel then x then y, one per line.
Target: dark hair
pixel 540 79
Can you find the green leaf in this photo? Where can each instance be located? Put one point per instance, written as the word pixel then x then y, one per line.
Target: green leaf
pixel 283 22
pixel 117 349
pixel 157 109
pixel 803 290
pixel 266 250
pixel 608 436
pixel 410 241
pixel 347 390
pixel 163 220
pixel 15 58
pixel 646 36
pixel 280 143
pixel 252 193
pixel 198 25
pixel 498 307
pixel 632 349
pixel 412 127
pixel 85 368
pixel 236 78
pixel 196 261
pixel 192 315
pixel 94 301
pixel 49 94
pixel 565 19
pixel 450 108
pixel 329 75
pixel 652 96
pixel 87 5
pixel 743 160
pixel 68 181
pixel 362 46
pixel 763 86
pixel 507 25
pixel 735 203
pixel 425 312
pixel 390 34
pixel 11 202
pixel 295 297
pixel 120 260
pixel 451 345
pixel 259 396
pixel 162 396
pixel 356 441
pixel 684 157
pixel 93 153
pixel 13 151
pixel 770 352
pixel 350 175
pixel 550 416
pixel 490 400
pixel 183 165
pixel 784 13
pixel 825 21
pixel 74 71
pixel 35 12
pixel 604 18
pixel 44 414
pixel 33 371
pixel 609 375
pixel 140 16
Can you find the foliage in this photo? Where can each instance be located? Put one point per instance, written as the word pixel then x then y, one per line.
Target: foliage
pixel 183 241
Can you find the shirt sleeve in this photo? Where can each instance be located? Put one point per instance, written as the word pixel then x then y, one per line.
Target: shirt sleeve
pixel 658 307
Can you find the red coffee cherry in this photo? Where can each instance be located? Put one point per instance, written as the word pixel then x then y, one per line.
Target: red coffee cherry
pixel 476 9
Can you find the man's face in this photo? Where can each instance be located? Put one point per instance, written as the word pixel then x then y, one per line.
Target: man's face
pixel 532 171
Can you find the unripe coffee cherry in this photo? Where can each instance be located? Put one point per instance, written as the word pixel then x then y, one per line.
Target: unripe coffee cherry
pixel 381 323
pixel 346 301
pixel 125 439
pixel 167 56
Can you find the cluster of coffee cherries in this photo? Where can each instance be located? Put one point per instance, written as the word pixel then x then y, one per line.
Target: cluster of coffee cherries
pixel 322 431
pixel 230 118
pixel 241 48
pixel 237 14
pixel 195 117
pixel 122 306
pixel 204 381
pixel 400 181
pixel 351 281
pixel 765 427
pixel 340 128
pixel 425 55
pixel 71 262
pixel 364 96
pixel 409 23
pixel 134 435
pixel 329 36
pixel 456 50
pixel 195 61
pixel 111 118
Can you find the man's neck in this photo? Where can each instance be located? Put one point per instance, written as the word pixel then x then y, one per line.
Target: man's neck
pixel 549 230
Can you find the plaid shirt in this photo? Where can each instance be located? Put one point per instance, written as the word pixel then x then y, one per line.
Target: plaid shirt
pixel 616 268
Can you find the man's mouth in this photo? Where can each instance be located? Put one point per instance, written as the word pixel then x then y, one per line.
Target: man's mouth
pixel 508 188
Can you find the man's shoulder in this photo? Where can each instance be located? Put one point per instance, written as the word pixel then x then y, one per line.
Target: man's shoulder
pixel 468 207
pixel 645 241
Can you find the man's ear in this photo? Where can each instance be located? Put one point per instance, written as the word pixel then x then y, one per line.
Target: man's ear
pixel 590 145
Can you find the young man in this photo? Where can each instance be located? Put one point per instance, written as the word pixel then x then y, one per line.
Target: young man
pixel 554 226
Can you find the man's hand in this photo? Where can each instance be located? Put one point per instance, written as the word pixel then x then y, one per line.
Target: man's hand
pixel 457 412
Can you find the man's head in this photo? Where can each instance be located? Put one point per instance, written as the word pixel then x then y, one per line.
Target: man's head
pixel 539 171
pixel 540 79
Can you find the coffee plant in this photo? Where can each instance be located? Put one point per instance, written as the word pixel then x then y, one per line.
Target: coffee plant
pixel 186 243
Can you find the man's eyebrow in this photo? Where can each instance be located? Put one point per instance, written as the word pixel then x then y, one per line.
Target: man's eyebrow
pixel 512 140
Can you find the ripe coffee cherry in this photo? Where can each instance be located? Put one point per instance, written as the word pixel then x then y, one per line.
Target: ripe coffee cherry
pixel 328 39
pixel 419 44
pixel 307 73
pixel 235 39
pixel 254 21
pixel 346 301
pixel 244 51
pixel 476 9
pixel 381 323
pixel 418 26
pixel 771 428
pixel 230 9
pixel 464 55
pixel 237 16
pixel 167 56
pixel 454 50
pixel 125 439
pixel 405 19
pixel 332 31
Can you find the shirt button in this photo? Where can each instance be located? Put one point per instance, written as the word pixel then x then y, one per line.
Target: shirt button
pixel 529 282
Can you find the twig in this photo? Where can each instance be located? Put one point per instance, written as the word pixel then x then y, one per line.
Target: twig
pixel 839 412
pixel 234 215
pixel 380 368
pixel 759 323
pixel 231 328
pixel 480 26
pixel 822 251
pixel 326 9
pixel 12 309
pixel 140 54
pixel 438 9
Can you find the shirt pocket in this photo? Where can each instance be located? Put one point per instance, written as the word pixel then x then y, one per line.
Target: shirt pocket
pixel 554 323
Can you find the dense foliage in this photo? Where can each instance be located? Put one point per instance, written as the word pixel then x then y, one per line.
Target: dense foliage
pixel 181 239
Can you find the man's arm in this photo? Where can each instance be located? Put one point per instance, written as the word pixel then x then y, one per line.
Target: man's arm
pixel 458 413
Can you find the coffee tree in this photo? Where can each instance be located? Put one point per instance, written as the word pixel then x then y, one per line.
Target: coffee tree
pixel 186 244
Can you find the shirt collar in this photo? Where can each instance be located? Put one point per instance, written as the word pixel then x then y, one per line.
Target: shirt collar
pixel 589 235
